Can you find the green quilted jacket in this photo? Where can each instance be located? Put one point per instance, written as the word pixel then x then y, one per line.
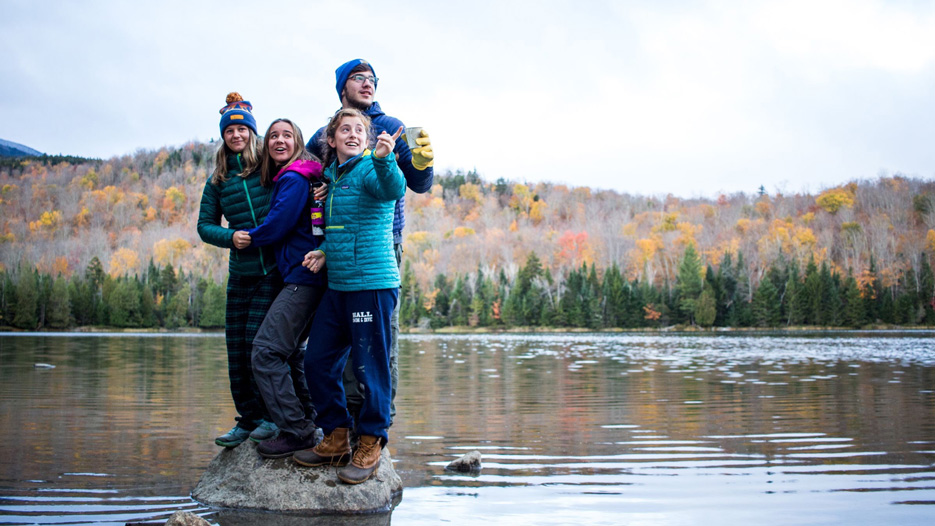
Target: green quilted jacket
pixel 244 202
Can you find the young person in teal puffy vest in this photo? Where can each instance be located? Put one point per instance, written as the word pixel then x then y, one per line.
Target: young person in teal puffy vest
pixel 236 192
pixel 363 289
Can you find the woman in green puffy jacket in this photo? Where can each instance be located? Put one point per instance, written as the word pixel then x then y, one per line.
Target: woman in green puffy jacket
pixel 236 192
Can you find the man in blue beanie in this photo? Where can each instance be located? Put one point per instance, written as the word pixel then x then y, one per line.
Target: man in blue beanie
pixel 356 84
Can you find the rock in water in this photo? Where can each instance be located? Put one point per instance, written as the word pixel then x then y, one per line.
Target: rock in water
pixel 184 518
pixel 240 478
pixel 469 463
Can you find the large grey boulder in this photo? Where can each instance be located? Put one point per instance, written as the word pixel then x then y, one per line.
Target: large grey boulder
pixel 240 478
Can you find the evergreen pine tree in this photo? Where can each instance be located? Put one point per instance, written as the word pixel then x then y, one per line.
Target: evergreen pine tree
pixel 125 304
pixel 829 297
pixel 887 310
pixel 743 313
pixel 7 298
pixel 795 307
pixel 178 310
pixel 27 300
pixel 634 316
pixel 907 299
pixel 765 308
pixel 811 292
pixel 460 303
pixel 410 298
pixel 927 291
pixel 213 313
pixel 148 306
pixel 82 301
pixel 872 292
pixel 58 313
pixel 706 307
pixel 198 300
pixel 713 280
pixel 442 302
pixel 728 279
pixel 572 299
pixel 854 307
pixel 168 282
pixel 42 300
pixel 594 318
pixel 778 273
pixel 614 297
pixel 689 282
pixel 95 277
pixel 480 303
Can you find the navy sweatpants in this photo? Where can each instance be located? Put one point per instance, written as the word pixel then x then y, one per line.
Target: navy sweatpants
pixel 355 324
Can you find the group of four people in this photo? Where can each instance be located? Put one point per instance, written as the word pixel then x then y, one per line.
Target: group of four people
pixel 288 284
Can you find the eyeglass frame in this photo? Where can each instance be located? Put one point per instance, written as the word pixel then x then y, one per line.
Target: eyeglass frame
pixel 361 78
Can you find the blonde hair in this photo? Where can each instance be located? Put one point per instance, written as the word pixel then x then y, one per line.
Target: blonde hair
pixel 250 157
pixel 330 154
pixel 269 168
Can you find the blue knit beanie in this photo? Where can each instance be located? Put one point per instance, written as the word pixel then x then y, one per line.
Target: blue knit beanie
pixel 344 71
pixel 237 111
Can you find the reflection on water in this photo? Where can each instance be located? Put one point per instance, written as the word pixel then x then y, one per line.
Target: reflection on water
pixel 600 429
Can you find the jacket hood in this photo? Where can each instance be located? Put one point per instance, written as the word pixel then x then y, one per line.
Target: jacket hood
pixel 305 168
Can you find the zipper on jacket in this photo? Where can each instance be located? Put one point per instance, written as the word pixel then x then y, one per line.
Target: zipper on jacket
pixel 246 190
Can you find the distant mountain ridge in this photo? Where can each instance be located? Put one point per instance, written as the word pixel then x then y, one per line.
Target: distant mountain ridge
pixel 12 149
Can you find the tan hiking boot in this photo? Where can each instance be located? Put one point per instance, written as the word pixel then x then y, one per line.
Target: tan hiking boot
pixel 334 450
pixel 365 462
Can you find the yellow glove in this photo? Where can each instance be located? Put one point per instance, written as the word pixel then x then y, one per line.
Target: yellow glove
pixel 422 156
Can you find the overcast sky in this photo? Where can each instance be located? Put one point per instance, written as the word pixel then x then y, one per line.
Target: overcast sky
pixel 689 98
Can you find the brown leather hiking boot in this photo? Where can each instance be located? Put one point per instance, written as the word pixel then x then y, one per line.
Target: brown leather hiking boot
pixel 334 450
pixel 365 462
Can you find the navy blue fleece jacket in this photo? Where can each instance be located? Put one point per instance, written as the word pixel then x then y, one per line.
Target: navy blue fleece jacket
pixel 288 225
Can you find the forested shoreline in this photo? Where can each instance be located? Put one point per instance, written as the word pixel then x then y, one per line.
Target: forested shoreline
pixel 112 243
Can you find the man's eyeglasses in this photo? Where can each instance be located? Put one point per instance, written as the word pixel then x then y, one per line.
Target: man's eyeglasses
pixel 361 78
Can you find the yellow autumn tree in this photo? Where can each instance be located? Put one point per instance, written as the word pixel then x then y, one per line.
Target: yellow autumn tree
pixel 835 199
pixel 537 211
pixel 471 192
pixel 667 222
pixel 166 251
pixel 124 261
pixel 687 233
pixel 89 180
pixel 174 198
pixel 463 231
pixel 522 199
pixel 160 160
pixel 60 266
pixel 47 223
pixel 82 218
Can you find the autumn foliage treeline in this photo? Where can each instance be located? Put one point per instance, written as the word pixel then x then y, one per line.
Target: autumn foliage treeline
pixel 506 253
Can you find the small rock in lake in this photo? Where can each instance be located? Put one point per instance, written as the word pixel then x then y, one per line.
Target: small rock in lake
pixel 467 464
pixel 184 518
pixel 44 366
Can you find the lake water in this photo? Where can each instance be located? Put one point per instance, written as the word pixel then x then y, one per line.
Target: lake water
pixel 829 428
